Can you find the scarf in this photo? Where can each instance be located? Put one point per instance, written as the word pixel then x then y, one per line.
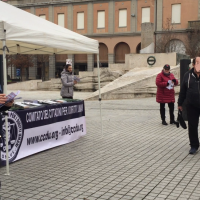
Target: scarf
pixel 166 74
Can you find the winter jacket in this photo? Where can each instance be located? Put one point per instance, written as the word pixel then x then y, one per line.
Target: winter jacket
pixel 164 95
pixel 67 80
pixel 190 89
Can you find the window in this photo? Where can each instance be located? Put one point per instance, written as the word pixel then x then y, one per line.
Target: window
pixel 145 15
pixel 61 20
pixel 123 18
pixel 101 19
pixel 43 16
pixel 80 20
pixel 176 13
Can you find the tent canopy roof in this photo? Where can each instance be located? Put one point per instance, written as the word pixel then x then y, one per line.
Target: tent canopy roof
pixel 29 34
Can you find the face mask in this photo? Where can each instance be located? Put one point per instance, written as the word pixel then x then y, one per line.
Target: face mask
pixel 166 73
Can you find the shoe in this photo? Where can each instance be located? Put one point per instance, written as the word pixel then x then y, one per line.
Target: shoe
pixel 174 122
pixel 164 123
pixel 193 150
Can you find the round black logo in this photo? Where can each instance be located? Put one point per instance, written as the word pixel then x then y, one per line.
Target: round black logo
pixel 15 136
pixel 151 60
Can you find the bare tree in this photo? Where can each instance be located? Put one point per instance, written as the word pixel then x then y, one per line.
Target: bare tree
pixel 193 41
pixel 11 62
pixel 23 62
pixel 163 39
pixel 42 61
pixel 168 41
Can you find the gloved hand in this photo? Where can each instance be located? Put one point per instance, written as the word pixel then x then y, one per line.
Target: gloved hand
pixel 174 80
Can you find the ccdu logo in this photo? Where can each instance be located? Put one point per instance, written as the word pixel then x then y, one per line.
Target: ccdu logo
pixel 15 136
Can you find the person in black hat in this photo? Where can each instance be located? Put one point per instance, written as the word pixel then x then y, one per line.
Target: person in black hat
pixel 190 91
pixel 165 82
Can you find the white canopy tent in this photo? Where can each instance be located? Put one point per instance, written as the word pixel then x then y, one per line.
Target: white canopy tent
pixel 25 33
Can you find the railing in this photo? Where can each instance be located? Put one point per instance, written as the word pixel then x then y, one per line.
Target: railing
pixel 194 24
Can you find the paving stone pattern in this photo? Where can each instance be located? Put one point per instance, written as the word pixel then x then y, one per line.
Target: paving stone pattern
pixel 135 158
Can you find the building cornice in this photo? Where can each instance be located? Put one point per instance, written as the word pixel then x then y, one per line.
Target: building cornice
pixel 61 2
pixel 113 35
pixel 173 31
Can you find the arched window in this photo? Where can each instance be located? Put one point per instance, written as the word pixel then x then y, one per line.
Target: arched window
pixel 103 55
pixel 121 49
pixel 175 45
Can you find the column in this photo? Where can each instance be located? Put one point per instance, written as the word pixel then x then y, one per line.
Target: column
pixel 71 56
pixel 33 70
pixel 159 14
pixel 90 62
pixel 51 13
pixel 33 10
pixel 111 17
pixel 134 19
pixel 52 66
pixel 70 17
pixel 111 58
pixel 90 19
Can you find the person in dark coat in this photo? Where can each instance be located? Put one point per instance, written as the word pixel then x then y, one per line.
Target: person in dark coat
pixel 165 82
pixel 190 91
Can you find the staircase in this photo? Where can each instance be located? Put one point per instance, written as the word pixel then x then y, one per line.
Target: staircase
pixel 135 83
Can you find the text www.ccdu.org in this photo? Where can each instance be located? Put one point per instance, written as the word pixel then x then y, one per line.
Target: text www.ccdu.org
pixel 54 135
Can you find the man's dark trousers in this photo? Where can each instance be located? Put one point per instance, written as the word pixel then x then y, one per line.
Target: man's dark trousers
pixel 171 111
pixel 193 114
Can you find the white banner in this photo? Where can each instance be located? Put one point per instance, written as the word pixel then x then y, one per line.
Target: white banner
pixel 45 137
pixel 33 130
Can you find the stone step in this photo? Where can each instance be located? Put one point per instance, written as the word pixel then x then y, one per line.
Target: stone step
pixel 135 83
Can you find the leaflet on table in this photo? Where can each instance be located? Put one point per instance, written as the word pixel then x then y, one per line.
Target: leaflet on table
pixel 21 105
pixel 27 105
pixel 60 101
pixel 32 104
pixel 47 102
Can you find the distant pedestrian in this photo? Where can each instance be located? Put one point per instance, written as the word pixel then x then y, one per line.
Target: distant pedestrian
pixel 165 82
pixel 68 82
pixel 190 91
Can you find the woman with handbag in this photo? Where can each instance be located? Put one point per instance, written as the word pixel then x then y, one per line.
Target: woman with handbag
pixel 68 82
pixel 165 82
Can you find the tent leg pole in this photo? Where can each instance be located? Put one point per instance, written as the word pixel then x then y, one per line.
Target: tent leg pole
pixel 99 84
pixel 5 92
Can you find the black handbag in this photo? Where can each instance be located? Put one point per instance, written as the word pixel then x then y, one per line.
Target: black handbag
pixel 180 120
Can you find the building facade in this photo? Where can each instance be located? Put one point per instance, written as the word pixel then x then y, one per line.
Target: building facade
pixel 116 24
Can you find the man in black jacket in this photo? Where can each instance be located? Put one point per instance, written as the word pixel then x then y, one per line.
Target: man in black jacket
pixel 190 91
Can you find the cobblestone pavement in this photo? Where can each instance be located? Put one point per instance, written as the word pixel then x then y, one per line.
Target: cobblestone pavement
pixel 135 158
pixel 39 94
